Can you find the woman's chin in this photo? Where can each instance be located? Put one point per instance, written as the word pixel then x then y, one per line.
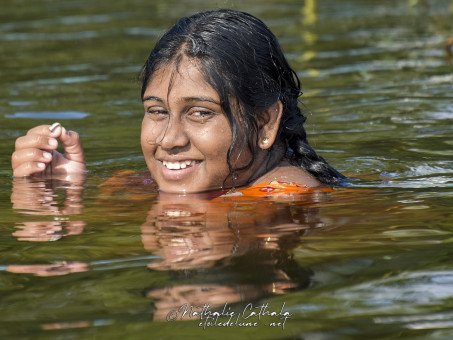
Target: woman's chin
pixel 190 188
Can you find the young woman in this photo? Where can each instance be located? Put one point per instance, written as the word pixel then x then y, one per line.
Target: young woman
pixel 221 111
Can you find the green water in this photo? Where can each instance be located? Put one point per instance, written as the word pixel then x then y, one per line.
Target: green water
pixel 373 261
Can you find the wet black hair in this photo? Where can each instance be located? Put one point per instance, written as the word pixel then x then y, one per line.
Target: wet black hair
pixel 242 60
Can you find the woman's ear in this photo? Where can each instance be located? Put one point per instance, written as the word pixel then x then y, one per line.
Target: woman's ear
pixel 269 125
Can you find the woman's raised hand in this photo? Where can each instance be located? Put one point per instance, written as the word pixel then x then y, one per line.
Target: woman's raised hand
pixel 36 153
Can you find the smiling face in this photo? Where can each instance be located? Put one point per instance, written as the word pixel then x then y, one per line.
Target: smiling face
pixel 185 133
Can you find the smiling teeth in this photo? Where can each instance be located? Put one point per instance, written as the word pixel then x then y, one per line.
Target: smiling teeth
pixel 178 165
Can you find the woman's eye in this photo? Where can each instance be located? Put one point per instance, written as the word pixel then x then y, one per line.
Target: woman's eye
pixel 156 114
pixel 200 115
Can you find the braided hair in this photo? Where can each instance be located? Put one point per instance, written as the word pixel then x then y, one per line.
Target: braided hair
pixel 242 60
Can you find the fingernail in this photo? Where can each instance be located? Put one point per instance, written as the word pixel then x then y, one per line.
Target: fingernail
pixel 47 155
pixel 54 126
pixel 53 142
pixel 41 165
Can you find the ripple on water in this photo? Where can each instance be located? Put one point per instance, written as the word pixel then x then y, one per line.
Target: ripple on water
pixel 49 36
pixel 427 169
pixel 63 20
pixel 407 289
pixel 444 112
pixel 49 115
pixel 424 321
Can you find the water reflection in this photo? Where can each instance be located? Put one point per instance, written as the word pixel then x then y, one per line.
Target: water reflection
pixel 60 268
pixel 215 250
pixel 40 197
pixel 225 251
pixel 190 231
pixel 34 196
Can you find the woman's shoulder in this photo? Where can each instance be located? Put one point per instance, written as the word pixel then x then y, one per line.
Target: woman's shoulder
pixel 285 172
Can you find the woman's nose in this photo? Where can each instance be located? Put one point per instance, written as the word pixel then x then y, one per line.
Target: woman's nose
pixel 174 135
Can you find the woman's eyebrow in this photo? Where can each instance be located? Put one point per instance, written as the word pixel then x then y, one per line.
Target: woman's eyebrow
pixel 185 99
pixel 200 99
pixel 152 98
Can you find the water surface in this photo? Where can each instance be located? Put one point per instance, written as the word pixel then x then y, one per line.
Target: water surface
pixel 92 261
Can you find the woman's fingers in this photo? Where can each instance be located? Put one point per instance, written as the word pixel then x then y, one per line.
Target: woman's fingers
pixel 29 168
pixel 45 130
pixel 33 151
pixel 38 141
pixel 72 145
pixel 30 155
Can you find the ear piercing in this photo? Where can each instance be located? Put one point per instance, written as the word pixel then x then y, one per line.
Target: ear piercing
pixel 265 140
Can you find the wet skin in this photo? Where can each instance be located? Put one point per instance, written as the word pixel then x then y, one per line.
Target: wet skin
pixel 185 133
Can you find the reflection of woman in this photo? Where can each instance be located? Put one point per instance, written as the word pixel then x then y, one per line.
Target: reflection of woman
pixel 221 111
pixel 247 245
pixel 189 232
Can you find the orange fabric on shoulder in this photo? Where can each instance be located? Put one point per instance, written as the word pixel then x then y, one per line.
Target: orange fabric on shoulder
pixel 272 189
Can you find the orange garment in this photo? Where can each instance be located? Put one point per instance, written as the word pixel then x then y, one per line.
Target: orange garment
pixel 131 183
pixel 270 189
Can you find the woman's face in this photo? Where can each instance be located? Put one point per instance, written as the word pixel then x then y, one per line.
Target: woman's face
pixel 185 134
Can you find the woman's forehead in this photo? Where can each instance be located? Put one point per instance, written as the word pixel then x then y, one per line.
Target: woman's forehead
pixel 182 77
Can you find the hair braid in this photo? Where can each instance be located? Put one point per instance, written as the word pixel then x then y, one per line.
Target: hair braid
pixel 301 153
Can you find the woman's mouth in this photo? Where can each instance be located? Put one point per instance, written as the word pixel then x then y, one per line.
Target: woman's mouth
pixel 178 165
pixel 178 170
